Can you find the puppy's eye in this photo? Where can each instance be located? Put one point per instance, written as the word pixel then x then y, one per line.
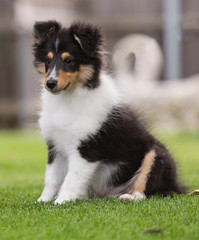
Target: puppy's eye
pixel 68 61
pixel 48 60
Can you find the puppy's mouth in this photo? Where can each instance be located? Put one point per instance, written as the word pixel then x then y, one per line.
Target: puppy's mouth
pixel 57 91
pixel 67 86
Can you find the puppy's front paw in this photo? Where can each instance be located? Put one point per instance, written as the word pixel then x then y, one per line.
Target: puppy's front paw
pixel 61 200
pixel 44 199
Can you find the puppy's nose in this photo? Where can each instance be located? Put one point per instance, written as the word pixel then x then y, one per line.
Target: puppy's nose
pixel 51 83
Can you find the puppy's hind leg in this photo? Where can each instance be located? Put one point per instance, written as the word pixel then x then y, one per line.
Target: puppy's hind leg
pixel 141 180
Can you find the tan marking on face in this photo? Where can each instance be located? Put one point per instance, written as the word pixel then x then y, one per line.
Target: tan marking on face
pixel 146 167
pixel 65 55
pixel 76 79
pixel 50 55
pixel 85 72
pixel 64 78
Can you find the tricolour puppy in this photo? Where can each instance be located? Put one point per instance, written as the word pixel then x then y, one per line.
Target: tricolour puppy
pixel 96 146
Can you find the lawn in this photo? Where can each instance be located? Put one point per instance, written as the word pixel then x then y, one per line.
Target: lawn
pixel 22 166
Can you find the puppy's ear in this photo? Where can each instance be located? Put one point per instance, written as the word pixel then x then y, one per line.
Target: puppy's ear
pixel 44 30
pixel 88 37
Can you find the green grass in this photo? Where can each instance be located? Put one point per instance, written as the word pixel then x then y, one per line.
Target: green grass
pixel 22 166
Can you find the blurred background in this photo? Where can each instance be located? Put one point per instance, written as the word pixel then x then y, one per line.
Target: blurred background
pixel 171 103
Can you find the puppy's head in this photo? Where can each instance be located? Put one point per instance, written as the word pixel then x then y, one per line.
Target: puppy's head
pixel 67 57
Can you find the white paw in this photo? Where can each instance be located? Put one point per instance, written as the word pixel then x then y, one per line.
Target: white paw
pixel 61 200
pixel 44 199
pixel 137 196
pixel 126 197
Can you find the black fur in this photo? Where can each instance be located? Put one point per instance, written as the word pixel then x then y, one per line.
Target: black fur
pixel 90 37
pixel 44 30
pixel 51 153
pixel 123 139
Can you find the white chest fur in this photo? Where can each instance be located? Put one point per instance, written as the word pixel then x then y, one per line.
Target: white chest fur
pixel 68 118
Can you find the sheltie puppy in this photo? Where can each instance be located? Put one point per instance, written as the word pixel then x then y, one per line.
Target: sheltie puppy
pixel 97 147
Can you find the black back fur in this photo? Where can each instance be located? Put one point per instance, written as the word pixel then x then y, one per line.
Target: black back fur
pixel 123 139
